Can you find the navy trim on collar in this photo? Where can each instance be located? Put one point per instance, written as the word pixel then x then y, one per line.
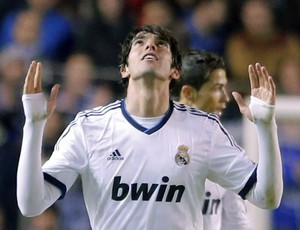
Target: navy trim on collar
pixel 161 123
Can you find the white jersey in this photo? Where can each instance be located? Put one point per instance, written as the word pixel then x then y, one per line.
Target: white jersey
pixel 139 178
pixel 223 210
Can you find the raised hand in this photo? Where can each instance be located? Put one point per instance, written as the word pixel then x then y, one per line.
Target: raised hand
pixel 262 87
pixel 33 85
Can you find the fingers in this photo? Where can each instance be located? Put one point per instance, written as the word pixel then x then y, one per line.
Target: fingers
pixel 273 90
pixel 29 79
pixel 239 100
pixel 272 84
pixel 52 100
pixel 33 80
pixel 252 77
pixel 262 84
pixel 264 77
pixel 38 78
pixel 259 77
pixel 260 74
pixel 244 109
pixel 54 92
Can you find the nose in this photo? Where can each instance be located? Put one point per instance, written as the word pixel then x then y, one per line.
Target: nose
pixel 225 96
pixel 150 44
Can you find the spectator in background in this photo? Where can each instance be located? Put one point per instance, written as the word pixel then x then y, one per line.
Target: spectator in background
pixel 134 6
pixel 259 31
pixel 25 36
pixel 287 216
pixel 8 5
pixel 157 12
pixel 205 26
pixel 162 13
pixel 105 92
pixel 183 8
pixel 288 75
pixel 54 128
pixel 288 13
pixel 48 220
pixel 56 36
pixel 101 36
pixel 77 88
pixel 12 68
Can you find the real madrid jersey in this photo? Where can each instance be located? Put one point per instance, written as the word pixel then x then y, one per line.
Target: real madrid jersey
pixel 223 209
pixel 147 178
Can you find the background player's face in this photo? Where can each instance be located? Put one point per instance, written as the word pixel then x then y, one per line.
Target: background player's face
pixel 212 96
pixel 149 57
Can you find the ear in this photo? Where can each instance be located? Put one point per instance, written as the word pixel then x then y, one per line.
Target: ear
pixel 124 71
pixel 175 74
pixel 188 92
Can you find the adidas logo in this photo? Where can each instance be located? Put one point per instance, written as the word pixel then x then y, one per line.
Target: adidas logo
pixel 116 155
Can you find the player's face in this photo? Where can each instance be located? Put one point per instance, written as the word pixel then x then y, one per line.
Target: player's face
pixel 150 56
pixel 212 96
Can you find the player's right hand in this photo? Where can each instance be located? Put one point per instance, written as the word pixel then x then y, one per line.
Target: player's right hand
pixel 33 84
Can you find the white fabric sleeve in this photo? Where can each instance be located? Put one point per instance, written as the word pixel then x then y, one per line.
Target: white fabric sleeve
pixel 234 212
pixel 267 191
pixel 34 194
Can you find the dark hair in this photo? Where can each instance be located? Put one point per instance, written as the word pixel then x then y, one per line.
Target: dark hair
pixel 197 66
pixel 165 35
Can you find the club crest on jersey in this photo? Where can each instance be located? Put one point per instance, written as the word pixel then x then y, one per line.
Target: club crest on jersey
pixel 182 157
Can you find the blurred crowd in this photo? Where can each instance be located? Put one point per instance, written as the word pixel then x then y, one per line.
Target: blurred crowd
pixel 78 42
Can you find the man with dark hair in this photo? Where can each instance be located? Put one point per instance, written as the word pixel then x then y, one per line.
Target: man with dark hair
pixel 143 160
pixel 202 85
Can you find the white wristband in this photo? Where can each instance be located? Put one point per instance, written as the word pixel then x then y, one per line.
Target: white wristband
pixel 35 107
pixel 261 111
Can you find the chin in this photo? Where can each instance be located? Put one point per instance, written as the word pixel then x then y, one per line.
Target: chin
pixel 152 73
pixel 219 114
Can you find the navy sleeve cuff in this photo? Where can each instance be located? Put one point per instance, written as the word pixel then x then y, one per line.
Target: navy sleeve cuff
pixel 250 183
pixel 56 183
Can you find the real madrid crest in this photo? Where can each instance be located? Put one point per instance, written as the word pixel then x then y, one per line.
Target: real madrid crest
pixel 182 157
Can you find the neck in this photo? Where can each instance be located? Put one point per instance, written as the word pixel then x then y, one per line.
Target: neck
pixel 150 102
pixel 187 102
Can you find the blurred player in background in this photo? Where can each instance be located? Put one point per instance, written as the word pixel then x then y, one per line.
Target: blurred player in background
pixel 202 85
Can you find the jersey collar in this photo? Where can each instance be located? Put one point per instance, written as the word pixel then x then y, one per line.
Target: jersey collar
pixel 149 131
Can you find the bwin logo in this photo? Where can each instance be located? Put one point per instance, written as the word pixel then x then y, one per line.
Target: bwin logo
pixel 116 155
pixel 210 206
pixel 145 191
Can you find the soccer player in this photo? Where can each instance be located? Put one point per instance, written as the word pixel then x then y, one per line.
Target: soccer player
pixel 202 85
pixel 143 160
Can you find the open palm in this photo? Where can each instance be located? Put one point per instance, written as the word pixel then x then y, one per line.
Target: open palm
pixel 262 87
pixel 33 84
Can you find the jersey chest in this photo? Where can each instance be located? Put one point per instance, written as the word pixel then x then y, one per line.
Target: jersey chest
pixel 126 159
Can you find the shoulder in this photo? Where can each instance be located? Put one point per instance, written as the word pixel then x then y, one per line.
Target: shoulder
pixel 99 112
pixel 184 110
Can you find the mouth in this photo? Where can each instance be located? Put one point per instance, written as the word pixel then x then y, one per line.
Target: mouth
pixel 150 56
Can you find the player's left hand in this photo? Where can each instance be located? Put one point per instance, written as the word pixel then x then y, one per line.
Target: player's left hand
pixel 262 87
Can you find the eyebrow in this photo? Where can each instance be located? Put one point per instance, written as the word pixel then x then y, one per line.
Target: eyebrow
pixel 139 36
pixel 219 84
pixel 142 35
